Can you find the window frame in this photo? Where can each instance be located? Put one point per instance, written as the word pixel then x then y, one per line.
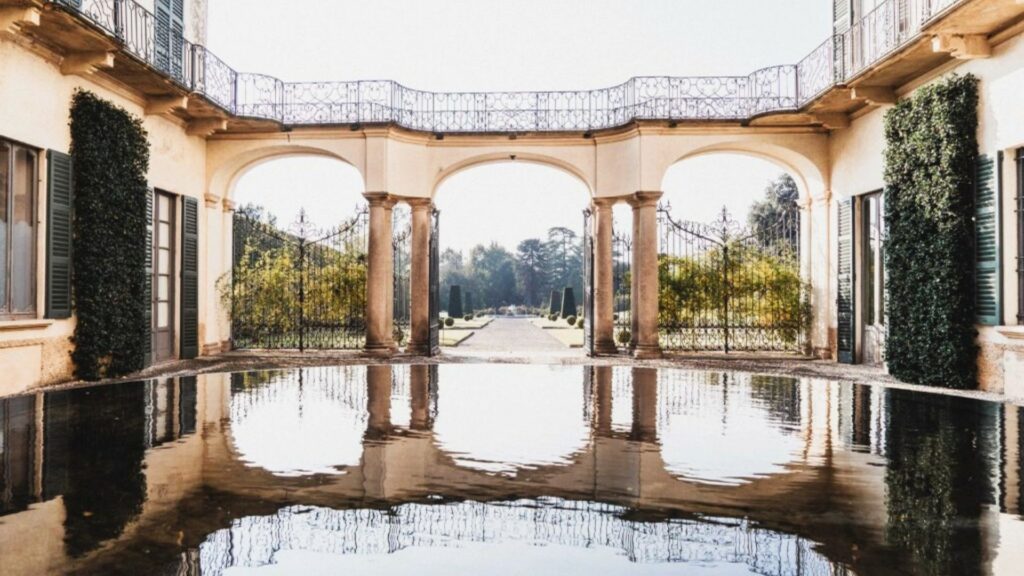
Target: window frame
pixel 6 304
pixel 873 285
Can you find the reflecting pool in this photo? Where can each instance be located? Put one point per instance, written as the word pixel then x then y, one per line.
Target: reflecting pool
pixel 507 469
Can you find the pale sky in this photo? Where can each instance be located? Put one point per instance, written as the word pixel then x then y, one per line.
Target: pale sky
pixel 509 45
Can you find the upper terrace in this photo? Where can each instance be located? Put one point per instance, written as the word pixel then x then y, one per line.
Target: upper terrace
pixel 851 69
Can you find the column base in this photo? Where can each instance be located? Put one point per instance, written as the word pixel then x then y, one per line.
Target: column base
pixel 605 349
pixel 418 349
pixel 647 352
pixel 380 350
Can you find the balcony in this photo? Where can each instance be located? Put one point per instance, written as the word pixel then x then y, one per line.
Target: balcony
pixel 886 48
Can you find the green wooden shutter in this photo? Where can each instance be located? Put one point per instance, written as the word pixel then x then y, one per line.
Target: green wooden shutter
pixel 177 38
pixel 169 36
pixel 190 279
pixel 988 287
pixel 148 291
pixel 60 199
pixel 846 333
pixel 841 15
pixel 162 34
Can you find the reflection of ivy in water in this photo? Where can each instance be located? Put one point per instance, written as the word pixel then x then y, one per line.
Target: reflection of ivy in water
pixel 937 479
pixel 95 447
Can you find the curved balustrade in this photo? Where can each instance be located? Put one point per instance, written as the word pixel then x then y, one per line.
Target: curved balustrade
pixel 775 89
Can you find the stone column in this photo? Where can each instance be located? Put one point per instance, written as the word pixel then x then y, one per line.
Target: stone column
pixel 821 275
pixel 227 258
pixel 419 284
pixel 645 274
pixel 211 269
pixel 380 277
pixel 604 284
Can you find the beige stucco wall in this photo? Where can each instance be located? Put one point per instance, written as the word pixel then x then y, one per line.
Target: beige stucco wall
pixel 858 165
pixel 35 112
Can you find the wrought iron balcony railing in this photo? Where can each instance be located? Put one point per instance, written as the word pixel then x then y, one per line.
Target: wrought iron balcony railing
pixel 784 88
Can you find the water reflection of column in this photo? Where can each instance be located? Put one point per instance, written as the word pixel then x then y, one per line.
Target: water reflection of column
pixel 861 415
pixel 602 400
pixel 1012 465
pixel 645 405
pixel 378 401
pixel 419 391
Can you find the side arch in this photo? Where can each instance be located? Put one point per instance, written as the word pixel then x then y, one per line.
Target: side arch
pixel 809 173
pixel 229 161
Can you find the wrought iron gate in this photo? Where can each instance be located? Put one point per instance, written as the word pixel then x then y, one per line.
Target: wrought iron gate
pixel 435 280
pixel 588 283
pixel 724 286
pixel 622 263
pixel 401 245
pixel 298 288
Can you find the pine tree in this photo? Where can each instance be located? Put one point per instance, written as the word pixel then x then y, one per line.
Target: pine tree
pixel 455 301
pixel 568 302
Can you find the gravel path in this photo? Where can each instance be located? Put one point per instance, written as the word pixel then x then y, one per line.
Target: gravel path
pixel 510 338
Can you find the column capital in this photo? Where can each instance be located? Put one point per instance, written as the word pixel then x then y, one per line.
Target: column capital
pixel 645 198
pixel 380 199
pixel 610 201
pixel 419 204
pixel 212 200
pixel 229 205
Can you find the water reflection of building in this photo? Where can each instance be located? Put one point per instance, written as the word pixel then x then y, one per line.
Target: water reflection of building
pixel 103 472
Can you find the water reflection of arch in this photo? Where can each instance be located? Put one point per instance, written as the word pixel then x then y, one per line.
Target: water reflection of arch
pixel 256 540
pixel 304 408
pixel 634 405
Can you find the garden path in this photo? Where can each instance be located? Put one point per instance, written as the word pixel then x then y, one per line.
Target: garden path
pixel 512 337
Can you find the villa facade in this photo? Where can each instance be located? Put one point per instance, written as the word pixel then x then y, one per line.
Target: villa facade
pixel 820 119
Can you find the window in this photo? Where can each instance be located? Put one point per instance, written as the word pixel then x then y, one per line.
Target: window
pixel 872 219
pixel 17 231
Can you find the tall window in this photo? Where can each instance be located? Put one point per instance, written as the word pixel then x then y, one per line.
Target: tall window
pixel 873 211
pixel 17 231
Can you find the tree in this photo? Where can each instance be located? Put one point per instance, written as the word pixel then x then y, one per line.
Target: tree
pixel 530 270
pixel 777 217
pixel 455 301
pixel 564 255
pixel 493 271
pixel 469 303
pixel 257 213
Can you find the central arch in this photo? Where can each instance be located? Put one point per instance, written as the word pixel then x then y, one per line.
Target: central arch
pixel 512 229
pixel 528 157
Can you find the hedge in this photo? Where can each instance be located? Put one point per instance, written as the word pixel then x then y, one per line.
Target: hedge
pixel 111 157
pixel 930 156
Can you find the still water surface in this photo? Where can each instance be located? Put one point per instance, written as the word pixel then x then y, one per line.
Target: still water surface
pixel 499 469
